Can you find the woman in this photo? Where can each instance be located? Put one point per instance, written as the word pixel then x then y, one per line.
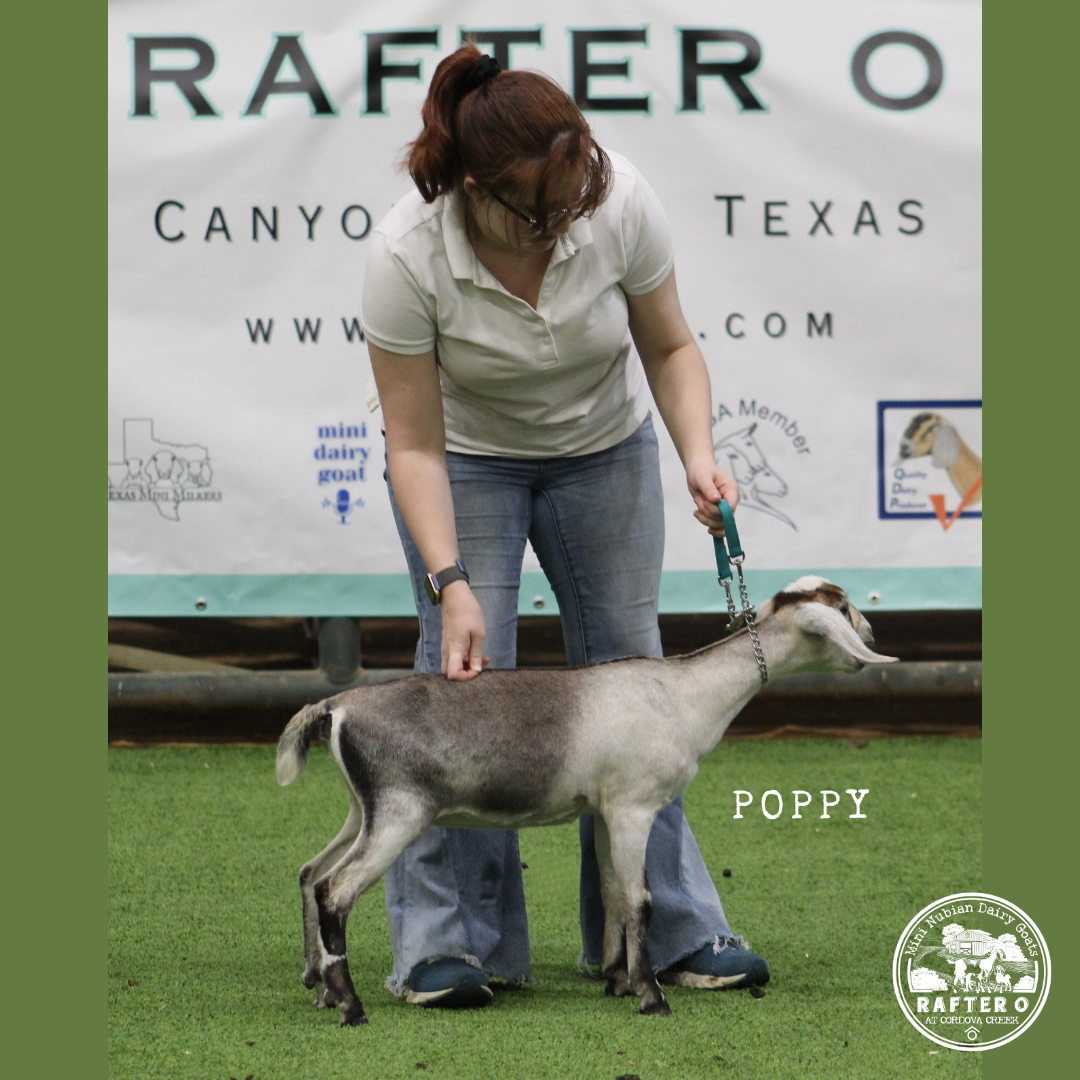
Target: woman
pixel 496 307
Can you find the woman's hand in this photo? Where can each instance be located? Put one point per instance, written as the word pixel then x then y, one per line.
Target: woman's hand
pixel 411 399
pixel 463 632
pixel 708 484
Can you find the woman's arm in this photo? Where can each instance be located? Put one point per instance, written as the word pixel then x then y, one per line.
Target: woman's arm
pixel 411 401
pixel 679 382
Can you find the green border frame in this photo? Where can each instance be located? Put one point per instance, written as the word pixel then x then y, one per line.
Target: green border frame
pixel 1029 714
pixel 56 263
pixel 55 357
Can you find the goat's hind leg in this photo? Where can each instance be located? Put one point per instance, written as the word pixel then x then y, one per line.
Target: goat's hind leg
pixel 309 873
pixel 389 828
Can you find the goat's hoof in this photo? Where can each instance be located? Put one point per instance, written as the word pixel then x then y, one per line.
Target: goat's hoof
pixel 617 987
pixel 310 978
pixel 354 1017
pixel 656 1008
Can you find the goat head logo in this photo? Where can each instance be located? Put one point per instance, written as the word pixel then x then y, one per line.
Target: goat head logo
pixel 931 435
pixel 758 481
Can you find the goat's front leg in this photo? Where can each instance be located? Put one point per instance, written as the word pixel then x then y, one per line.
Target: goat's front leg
pixel 613 963
pixel 628 831
pixel 309 873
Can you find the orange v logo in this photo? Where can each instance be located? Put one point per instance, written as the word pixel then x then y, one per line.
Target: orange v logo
pixel 939 504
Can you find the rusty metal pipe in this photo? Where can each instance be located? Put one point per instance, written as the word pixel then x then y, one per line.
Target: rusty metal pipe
pixel 213 691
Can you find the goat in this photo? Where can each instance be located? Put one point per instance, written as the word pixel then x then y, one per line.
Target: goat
pixel 510 749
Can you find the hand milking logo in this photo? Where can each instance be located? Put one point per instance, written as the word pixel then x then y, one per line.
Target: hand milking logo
pixel 162 473
pixel 740 452
pixel 971 971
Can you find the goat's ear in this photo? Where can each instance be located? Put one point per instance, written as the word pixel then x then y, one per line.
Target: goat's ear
pixel 822 619
pixel 946 448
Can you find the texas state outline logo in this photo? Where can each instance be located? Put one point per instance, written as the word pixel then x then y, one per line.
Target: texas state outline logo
pixel 971 971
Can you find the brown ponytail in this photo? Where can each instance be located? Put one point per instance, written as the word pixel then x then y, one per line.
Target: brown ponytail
pixel 512 131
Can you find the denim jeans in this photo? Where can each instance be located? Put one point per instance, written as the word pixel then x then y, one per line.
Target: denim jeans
pixel 596 523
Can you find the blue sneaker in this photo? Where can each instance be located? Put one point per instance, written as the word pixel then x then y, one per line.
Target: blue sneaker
pixel 724 964
pixel 448 984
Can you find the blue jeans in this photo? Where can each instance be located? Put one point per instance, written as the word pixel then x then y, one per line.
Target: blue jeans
pixel 596 523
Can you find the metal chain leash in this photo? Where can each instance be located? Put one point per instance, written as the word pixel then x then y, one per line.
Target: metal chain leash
pixel 751 628
pixel 725 559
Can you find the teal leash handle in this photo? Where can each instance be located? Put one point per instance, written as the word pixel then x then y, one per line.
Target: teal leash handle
pixel 729 553
pixel 727 547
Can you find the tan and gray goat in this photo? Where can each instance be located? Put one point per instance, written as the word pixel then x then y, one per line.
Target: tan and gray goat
pixel 511 749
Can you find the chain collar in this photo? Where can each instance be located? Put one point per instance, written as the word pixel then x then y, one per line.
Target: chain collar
pixel 746 615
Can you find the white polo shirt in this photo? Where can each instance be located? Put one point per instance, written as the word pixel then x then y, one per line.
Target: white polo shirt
pixel 551 382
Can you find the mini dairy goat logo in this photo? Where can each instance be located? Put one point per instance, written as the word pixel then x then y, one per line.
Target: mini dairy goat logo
pixel 343 455
pixel 971 971
pixel 162 473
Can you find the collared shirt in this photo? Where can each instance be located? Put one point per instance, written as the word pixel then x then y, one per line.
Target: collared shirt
pixel 556 381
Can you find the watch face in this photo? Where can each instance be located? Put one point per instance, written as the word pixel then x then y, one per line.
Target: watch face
pixel 432 591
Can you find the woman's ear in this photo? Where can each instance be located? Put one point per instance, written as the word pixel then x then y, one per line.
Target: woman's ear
pixel 472 188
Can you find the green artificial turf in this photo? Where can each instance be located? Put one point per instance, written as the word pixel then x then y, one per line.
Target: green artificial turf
pixel 205 947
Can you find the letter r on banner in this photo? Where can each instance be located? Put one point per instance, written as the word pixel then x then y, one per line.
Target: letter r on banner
pixel 184 78
pixel 731 71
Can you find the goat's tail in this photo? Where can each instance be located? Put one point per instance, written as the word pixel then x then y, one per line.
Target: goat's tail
pixel 295 741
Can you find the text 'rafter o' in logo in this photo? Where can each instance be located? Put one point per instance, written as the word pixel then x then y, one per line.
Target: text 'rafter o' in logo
pixel 971 971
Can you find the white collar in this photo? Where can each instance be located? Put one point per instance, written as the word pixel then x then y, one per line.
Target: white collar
pixel 463 261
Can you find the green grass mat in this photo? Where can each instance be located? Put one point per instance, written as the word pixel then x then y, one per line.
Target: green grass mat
pixel 205 947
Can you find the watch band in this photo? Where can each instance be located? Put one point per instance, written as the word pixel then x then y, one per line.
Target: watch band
pixel 435 583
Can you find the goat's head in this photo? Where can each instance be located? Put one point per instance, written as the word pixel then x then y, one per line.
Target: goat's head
pixel 929 433
pixel 838 635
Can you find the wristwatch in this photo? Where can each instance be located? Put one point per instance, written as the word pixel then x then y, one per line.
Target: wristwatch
pixel 435 583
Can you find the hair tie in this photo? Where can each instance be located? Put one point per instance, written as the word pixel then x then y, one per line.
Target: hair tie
pixel 487 67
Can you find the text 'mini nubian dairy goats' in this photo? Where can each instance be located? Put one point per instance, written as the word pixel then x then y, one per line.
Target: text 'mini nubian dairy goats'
pixel 510 749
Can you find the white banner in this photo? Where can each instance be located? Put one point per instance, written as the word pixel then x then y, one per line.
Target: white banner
pixel 819 163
